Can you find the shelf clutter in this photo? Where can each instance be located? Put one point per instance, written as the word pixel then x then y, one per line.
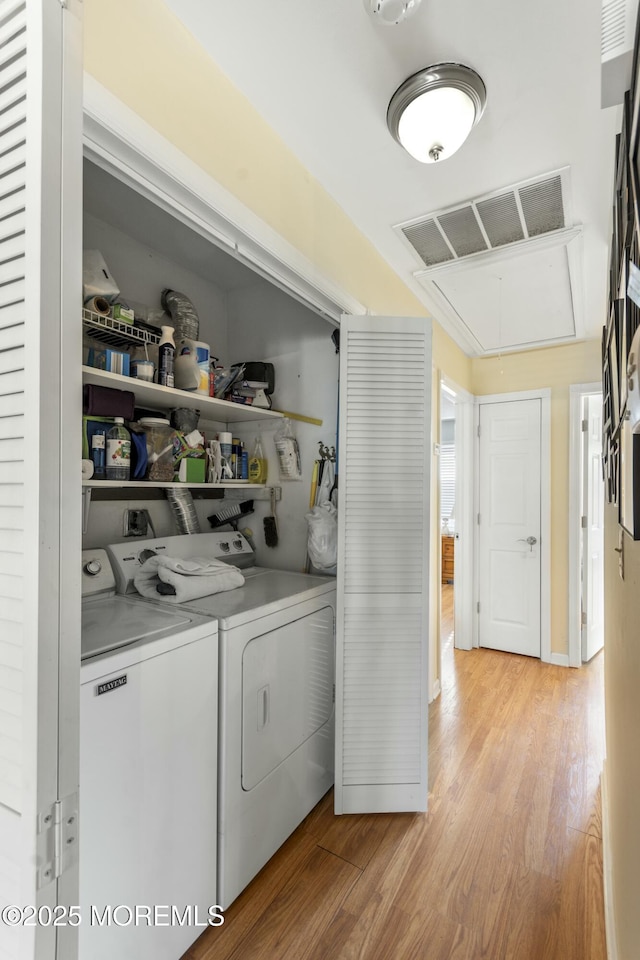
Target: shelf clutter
pixel 148 386
pixel 168 398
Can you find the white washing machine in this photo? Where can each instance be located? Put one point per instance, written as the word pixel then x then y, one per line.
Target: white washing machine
pixel 276 697
pixel 148 784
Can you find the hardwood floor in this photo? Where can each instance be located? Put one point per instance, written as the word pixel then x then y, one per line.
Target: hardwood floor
pixel 506 865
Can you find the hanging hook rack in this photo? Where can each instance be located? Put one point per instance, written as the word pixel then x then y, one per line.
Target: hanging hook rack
pixel 326 453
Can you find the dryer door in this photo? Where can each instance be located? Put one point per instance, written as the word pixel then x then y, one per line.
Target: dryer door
pixel 287 691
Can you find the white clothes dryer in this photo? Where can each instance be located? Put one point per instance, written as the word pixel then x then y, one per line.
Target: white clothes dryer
pixel 276 639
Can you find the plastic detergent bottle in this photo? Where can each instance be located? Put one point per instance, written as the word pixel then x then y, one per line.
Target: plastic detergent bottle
pixel 118 451
pixel 257 464
pixel 166 358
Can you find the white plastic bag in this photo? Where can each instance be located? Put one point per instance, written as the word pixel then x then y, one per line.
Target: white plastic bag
pixel 97 281
pixel 322 541
pixel 288 452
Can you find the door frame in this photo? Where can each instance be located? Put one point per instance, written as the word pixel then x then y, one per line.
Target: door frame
pixel 544 395
pixel 577 391
pixel 464 534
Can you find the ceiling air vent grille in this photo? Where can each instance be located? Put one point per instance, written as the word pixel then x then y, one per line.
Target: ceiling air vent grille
pixel 428 242
pixel 509 216
pixel 501 219
pixel 542 206
pixel 462 231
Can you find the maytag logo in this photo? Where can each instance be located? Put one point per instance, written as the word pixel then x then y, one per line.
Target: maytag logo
pixel 111 685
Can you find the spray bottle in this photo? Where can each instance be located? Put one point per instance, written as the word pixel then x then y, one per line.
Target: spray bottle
pixel 166 358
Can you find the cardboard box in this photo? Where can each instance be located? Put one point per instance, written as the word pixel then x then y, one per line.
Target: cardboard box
pixel 192 470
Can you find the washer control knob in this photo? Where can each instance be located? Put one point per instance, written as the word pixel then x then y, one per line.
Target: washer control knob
pixel 238 544
pixel 224 547
pixel 93 568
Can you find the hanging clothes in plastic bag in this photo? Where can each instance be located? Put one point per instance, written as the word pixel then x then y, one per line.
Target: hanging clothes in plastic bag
pixel 288 452
pixel 322 541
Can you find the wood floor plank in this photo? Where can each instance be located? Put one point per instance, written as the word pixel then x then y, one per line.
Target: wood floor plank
pixel 302 913
pixel 358 841
pixel 505 865
pixel 218 943
pixel 415 936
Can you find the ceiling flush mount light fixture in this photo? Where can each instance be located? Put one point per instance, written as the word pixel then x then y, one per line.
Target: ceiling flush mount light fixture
pixel 433 112
pixel 390 12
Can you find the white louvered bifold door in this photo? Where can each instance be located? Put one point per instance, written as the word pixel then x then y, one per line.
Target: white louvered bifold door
pixel 39 409
pixel 383 565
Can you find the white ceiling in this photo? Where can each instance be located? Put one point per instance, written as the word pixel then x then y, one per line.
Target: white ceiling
pixel 322 73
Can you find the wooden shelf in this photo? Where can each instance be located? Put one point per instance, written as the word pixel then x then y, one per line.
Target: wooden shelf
pixel 167 398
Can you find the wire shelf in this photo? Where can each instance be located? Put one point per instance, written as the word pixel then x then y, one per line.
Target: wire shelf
pixel 116 333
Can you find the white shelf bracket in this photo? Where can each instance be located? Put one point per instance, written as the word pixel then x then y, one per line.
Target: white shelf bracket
pixel 86 506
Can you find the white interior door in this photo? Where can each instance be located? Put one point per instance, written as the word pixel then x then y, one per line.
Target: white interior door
pixel 509 568
pixel 382 623
pixel 593 530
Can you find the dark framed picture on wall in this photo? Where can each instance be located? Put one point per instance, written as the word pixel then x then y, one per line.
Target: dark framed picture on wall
pixel 629 484
pixel 614 371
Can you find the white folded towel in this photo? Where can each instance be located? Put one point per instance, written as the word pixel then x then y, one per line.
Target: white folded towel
pixel 191 579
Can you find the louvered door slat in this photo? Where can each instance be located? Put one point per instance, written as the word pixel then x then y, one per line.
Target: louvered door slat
pixel 381 684
pixel 12 270
pixel 11 336
pixel 10 95
pixel 12 180
pixel 14 20
pixel 14 158
pixel 11 360
pixel 12 339
pixel 13 205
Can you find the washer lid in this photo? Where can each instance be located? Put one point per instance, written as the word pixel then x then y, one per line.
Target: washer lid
pixel 112 622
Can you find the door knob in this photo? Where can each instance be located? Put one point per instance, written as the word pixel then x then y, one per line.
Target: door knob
pixel 530 540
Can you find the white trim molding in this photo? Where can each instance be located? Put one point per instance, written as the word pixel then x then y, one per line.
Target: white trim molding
pixel 123 144
pixel 609 914
pixel 576 393
pixel 544 395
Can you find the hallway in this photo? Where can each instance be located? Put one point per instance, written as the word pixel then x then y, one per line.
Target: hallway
pixel 506 865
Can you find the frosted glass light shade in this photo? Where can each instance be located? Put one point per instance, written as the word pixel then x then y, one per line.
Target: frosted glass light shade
pixel 391 12
pixel 433 112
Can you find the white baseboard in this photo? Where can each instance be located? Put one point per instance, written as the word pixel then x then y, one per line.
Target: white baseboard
pixel 609 918
pixel 559 659
pixel 435 692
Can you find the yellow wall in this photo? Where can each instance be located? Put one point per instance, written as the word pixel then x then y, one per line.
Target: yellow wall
pixel 622 722
pixel 557 368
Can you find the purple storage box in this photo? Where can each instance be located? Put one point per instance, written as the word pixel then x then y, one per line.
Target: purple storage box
pixel 107 402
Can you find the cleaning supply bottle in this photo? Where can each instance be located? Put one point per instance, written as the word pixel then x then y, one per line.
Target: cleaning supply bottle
pixel 166 358
pixel 98 455
pixel 257 464
pixel 118 452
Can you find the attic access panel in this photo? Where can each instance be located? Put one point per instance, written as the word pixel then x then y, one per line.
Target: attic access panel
pixel 512 302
